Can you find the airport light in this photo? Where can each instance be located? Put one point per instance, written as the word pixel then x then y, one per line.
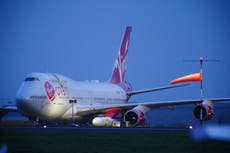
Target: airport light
pixel 72 101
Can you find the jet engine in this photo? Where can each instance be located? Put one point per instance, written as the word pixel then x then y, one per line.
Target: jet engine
pixel 134 117
pixel 203 112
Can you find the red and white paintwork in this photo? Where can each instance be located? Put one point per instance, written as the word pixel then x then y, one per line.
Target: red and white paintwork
pixel 46 96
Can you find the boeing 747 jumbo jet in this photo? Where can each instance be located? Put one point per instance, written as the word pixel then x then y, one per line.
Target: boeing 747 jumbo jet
pixel 54 97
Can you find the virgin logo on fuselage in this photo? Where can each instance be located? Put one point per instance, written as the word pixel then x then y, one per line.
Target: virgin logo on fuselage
pixel 50 91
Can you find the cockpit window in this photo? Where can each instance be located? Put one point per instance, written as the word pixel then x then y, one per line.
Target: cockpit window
pixel 31 79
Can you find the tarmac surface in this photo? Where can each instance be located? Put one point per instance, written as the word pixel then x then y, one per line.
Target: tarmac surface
pixel 93 129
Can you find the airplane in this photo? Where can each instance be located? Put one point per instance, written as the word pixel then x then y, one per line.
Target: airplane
pixel 213 132
pixel 54 97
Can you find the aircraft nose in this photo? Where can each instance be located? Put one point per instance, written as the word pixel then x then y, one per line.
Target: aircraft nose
pixel 24 101
pixel 23 94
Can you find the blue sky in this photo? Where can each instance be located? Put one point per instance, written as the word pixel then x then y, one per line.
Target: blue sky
pixel 80 39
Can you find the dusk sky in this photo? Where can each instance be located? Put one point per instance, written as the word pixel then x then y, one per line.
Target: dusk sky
pixel 80 39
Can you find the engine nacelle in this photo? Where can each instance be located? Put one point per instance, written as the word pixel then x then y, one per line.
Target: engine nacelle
pixel 134 117
pixel 203 112
pixel 105 122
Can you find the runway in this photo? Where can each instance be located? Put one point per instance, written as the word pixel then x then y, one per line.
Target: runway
pixel 93 129
pixel 112 140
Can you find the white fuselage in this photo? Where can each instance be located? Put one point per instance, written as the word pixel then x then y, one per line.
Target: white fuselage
pixel 47 96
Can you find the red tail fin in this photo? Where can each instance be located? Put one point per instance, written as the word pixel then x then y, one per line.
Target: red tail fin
pixel 118 75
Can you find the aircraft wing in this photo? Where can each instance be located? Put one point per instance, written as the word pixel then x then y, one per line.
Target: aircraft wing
pixel 181 102
pixel 9 108
pixel 99 109
pixel 155 89
pixel 6 106
pixel 5 109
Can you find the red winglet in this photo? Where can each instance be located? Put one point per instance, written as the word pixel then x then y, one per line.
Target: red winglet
pixel 188 78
